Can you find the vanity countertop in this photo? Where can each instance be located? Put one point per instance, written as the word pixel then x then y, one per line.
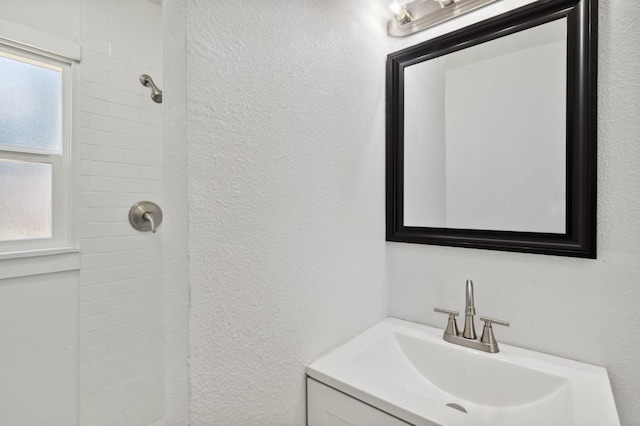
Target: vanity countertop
pixel 409 371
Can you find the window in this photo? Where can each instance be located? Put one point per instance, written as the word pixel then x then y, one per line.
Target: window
pixel 35 131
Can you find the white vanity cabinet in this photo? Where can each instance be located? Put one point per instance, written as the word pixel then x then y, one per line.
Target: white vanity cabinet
pixel 329 407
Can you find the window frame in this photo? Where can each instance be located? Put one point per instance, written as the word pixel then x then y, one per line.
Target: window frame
pixel 63 238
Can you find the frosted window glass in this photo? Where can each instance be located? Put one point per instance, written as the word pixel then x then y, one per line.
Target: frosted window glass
pixel 25 200
pixel 30 105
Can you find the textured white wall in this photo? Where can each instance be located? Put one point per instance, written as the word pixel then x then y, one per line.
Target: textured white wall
pixel 581 309
pixel 285 132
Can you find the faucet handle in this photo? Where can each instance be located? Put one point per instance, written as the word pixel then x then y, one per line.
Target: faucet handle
pixel 452 325
pixel 446 311
pixel 487 331
pixel 488 321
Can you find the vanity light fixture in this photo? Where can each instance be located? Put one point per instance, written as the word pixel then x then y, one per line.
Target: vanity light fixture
pixel 418 15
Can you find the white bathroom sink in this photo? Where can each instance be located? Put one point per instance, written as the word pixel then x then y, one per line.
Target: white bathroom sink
pixel 408 370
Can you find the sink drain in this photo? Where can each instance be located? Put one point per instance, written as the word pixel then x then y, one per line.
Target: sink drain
pixel 456 407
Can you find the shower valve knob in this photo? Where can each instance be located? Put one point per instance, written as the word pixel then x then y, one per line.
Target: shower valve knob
pixel 145 216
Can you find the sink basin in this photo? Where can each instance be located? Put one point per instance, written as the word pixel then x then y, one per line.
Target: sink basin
pixel 409 371
pixel 475 377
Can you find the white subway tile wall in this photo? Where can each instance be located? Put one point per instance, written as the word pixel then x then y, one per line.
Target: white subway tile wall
pixel 121 328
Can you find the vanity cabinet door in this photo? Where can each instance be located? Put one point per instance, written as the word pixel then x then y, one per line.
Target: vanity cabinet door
pixel 328 407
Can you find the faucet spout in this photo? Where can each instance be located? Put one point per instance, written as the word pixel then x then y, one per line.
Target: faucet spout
pixel 470 307
pixel 469 331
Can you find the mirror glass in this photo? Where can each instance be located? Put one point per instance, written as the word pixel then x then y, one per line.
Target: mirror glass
pixel 485 135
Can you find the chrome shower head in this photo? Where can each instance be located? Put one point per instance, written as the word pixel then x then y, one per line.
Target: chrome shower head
pixel 156 94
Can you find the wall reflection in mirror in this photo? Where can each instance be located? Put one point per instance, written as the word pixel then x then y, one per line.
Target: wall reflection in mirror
pixel 485 136
pixel 491 134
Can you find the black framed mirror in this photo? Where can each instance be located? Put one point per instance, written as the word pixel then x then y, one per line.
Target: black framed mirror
pixel 491 134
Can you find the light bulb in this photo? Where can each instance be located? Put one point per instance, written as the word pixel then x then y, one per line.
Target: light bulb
pixel 400 12
pixel 396 7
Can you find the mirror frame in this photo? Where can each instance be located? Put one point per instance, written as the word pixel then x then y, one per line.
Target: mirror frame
pixel 580 237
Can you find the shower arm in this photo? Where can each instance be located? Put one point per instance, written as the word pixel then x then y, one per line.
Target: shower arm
pixel 156 93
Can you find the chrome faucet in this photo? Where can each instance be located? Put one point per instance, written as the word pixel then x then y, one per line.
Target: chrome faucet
pixel 469 338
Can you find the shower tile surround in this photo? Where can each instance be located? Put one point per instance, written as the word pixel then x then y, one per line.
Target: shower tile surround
pixel 120 316
pixel 86 347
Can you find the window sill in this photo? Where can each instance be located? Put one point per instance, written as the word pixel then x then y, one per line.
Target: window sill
pixel 37 262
